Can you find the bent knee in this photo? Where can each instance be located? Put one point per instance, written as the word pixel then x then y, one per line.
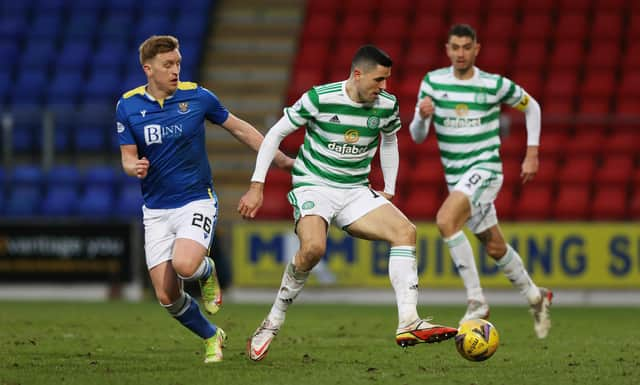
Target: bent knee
pixel 312 250
pixel 446 223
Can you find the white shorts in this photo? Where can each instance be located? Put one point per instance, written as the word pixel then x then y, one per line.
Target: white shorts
pixel 335 205
pixel 195 220
pixel 481 186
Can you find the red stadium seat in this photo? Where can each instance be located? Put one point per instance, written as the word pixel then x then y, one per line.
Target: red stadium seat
pixel 536 25
pixel 312 55
pixel 391 27
pixel 465 17
pixel 497 26
pixel 547 171
pixel 428 27
pixel 594 106
pixel 505 202
pixel 530 80
pixel 634 204
pixel 508 7
pixel 607 25
pixel 604 55
pixel 466 6
pixel 630 84
pixel 598 84
pixel 631 57
pixel 423 56
pixel 303 80
pixel 609 5
pixel 426 173
pixel 319 26
pixel 422 204
pixel 538 6
pixel 572 202
pixel 571 26
pixel 534 203
pixel 513 145
pixel 574 6
pixel 530 54
pixel 561 84
pixel 623 143
pixel 433 7
pixel 585 143
pixel 567 55
pixel 609 203
pixel 495 58
pixel 577 170
pixel 359 7
pixel 552 144
pixel 275 204
pixel 616 170
pixel 511 169
pixel 355 27
pixel 323 6
pixel 633 28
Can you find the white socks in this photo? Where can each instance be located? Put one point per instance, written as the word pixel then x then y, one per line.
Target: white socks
pixel 403 273
pixel 292 283
pixel 511 265
pixel 462 256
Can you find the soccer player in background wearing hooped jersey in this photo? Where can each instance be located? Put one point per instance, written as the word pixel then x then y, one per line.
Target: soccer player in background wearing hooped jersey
pixel 345 123
pixel 162 142
pixel 464 104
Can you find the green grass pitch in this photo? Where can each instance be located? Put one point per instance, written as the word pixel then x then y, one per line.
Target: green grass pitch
pixel 128 343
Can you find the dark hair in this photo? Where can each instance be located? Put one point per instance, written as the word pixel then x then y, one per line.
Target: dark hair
pixel 155 45
pixel 463 30
pixel 368 56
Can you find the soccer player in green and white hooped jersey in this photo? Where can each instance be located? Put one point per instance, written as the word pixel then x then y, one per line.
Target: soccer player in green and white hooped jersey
pixel 345 123
pixel 464 104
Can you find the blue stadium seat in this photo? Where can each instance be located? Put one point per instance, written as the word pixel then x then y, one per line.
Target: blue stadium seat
pixel 110 56
pixel 50 5
pixel 129 200
pixel 101 176
pixel 29 87
pixel 5 84
pixel 59 201
pixel 103 87
pixel 81 24
pixel 24 191
pixel 191 25
pixel 23 201
pixel 116 26
pixel 153 25
pixel 37 54
pixel 84 5
pixel 63 175
pixel 74 56
pixel 45 26
pixel 159 7
pixel 65 87
pixel 96 202
pixel 27 121
pixel 64 119
pixel 123 5
pixel 8 48
pixel 12 28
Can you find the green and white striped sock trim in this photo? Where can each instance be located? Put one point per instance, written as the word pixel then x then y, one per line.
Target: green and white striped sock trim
pixel 403 252
pixel 455 239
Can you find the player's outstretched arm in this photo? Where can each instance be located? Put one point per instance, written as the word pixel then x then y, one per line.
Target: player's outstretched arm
pixel 251 201
pixel 131 164
pixel 419 126
pixel 533 114
pixel 249 135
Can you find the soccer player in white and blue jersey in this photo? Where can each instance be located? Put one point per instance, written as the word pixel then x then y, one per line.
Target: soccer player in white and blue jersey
pixel 162 141
pixel 346 121
pixel 464 104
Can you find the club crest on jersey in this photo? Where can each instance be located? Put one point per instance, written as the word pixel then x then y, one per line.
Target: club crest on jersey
pixel 462 110
pixel 481 97
pixel 183 107
pixel 351 136
pixel 373 122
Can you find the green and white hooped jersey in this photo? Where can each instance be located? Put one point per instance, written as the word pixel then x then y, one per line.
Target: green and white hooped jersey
pixel 467 118
pixel 342 136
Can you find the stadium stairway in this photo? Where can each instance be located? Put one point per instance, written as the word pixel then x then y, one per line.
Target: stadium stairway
pixel 247 63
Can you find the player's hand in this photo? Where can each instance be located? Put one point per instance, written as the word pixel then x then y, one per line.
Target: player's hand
pixel 251 201
pixel 426 107
pixel 141 168
pixel 284 162
pixel 529 168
